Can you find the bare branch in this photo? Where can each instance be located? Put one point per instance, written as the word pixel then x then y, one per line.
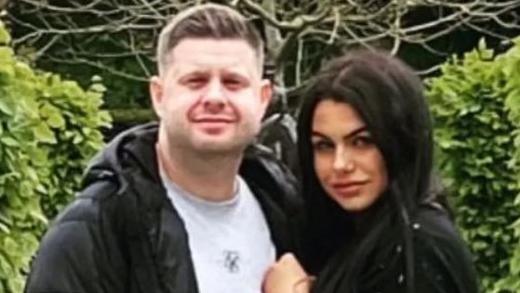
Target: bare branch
pixel 297 24
pixel 105 34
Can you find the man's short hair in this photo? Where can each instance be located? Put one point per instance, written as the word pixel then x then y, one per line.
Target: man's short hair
pixel 207 21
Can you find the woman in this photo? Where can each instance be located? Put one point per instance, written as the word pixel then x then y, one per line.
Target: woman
pixel 374 221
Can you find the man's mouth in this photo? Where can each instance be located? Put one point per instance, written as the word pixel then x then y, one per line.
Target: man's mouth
pixel 213 119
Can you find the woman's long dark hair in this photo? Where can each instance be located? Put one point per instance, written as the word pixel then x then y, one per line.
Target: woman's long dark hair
pixel 389 98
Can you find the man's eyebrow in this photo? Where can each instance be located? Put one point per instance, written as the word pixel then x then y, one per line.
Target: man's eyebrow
pixel 194 72
pixel 234 74
pixel 237 74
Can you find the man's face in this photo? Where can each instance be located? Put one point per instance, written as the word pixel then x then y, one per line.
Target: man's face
pixel 211 97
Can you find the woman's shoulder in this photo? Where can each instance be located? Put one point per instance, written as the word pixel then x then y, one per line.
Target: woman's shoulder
pixel 440 253
pixel 433 220
pixel 433 230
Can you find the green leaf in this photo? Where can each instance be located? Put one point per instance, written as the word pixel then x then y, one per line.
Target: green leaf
pixel 6 106
pixel 5 38
pixel 55 120
pixel 9 141
pixel 44 134
pixel 97 87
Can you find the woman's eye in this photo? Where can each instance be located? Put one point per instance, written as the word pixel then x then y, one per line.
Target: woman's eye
pixel 362 141
pixel 322 145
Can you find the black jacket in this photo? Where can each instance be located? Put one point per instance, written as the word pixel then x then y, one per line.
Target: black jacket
pixel 122 234
pixel 442 262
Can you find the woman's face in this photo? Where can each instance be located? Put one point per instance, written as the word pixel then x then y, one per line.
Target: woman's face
pixel 349 166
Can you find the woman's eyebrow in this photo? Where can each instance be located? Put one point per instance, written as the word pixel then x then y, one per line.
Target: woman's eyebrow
pixel 356 132
pixel 317 133
pixel 349 135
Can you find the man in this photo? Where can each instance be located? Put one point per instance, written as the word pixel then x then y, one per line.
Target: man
pixel 181 206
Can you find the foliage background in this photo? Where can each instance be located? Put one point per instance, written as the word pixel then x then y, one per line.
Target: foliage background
pixel 49 128
pixel 475 104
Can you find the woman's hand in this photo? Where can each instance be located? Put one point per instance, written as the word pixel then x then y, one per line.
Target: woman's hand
pixel 286 276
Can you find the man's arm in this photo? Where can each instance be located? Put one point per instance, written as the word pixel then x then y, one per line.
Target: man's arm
pixel 77 254
pixel 65 262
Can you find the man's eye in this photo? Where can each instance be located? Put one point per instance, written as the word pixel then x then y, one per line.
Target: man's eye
pixel 195 82
pixel 233 83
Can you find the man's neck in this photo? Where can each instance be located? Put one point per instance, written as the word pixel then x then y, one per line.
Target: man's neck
pixel 208 176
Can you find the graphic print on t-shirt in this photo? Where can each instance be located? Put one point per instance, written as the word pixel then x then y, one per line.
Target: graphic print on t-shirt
pixel 232 261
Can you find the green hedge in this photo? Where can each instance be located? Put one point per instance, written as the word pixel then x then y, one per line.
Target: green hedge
pixel 510 65
pixel 48 129
pixel 476 105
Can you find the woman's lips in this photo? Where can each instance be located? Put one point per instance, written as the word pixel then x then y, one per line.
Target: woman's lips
pixel 348 189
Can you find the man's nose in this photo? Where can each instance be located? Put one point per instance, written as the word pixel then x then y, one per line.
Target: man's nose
pixel 214 99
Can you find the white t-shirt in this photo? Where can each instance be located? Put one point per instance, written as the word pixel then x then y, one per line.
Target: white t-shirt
pixel 229 241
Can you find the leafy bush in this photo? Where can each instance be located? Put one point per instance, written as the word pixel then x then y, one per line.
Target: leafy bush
pixel 510 64
pixel 48 128
pixel 476 113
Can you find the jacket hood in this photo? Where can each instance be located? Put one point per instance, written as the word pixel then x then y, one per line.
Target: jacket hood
pixel 134 147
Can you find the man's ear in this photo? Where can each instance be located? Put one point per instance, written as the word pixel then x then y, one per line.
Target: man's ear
pixel 266 93
pixel 156 94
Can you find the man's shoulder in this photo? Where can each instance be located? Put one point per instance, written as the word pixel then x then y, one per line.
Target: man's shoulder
pixel 262 161
pixel 261 169
pixel 74 230
pixel 87 205
pixel 71 250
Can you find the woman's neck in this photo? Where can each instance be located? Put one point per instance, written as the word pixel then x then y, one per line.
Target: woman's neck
pixel 364 221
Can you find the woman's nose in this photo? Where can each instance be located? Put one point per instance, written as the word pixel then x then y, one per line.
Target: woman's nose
pixel 343 161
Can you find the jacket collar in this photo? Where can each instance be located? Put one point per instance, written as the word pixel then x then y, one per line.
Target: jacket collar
pixel 131 158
